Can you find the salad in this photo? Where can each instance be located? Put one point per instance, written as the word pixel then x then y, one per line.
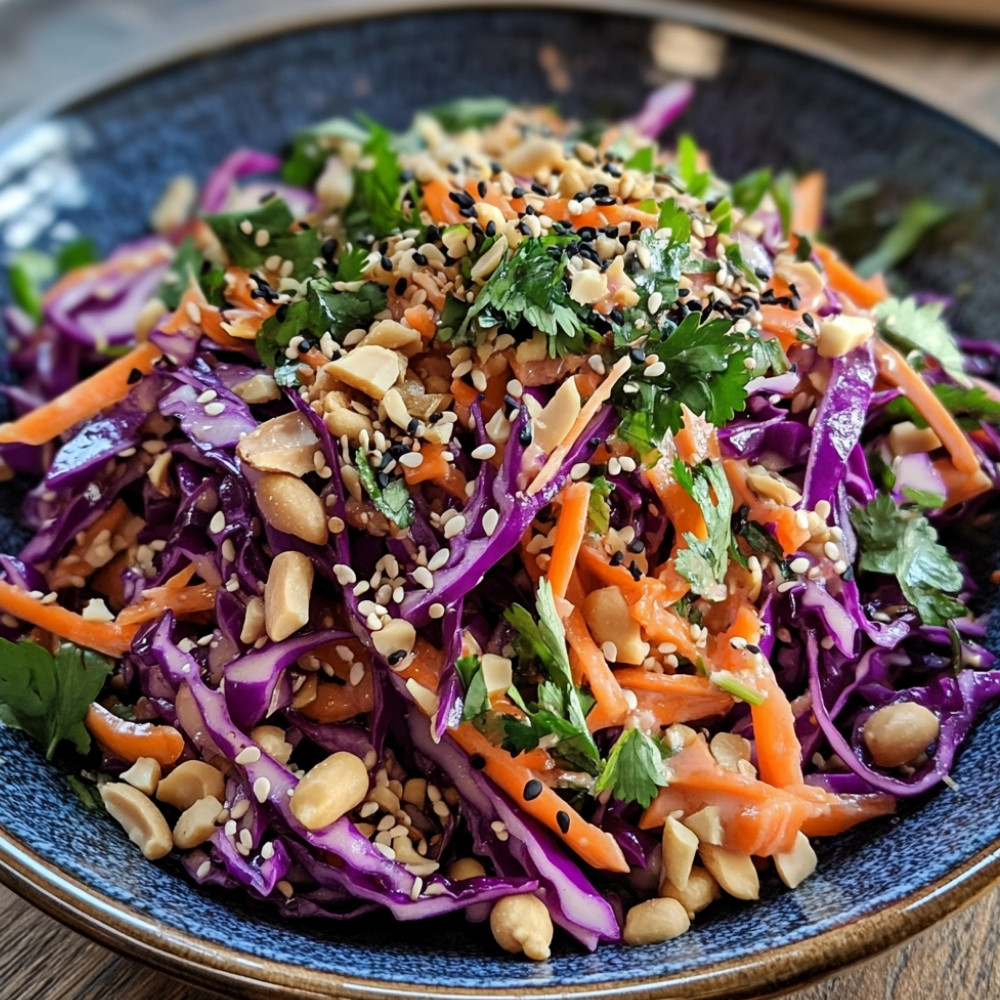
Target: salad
pixel 505 516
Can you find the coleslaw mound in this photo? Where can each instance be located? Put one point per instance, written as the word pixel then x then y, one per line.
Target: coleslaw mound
pixel 504 516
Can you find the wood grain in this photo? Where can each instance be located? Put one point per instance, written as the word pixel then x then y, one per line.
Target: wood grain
pixel 957 959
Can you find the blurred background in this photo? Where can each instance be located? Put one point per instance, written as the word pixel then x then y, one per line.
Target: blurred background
pixel 947 52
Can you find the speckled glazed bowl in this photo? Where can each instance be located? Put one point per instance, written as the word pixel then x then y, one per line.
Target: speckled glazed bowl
pixel 100 164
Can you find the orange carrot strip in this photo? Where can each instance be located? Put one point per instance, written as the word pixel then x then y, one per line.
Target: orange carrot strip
pixel 587 659
pixel 675 697
pixel 340 702
pixel 808 198
pixel 421 318
pixel 433 465
pixel 843 279
pixel 594 846
pixel 74 563
pixel 841 812
pixel 86 399
pixel 570 531
pixel 158 600
pixel 893 368
pixel 105 637
pixel 129 741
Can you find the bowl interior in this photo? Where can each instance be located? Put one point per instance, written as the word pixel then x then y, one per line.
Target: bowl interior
pixel 100 168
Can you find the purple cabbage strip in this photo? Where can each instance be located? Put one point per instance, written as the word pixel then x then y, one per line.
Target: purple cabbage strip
pixel 663 107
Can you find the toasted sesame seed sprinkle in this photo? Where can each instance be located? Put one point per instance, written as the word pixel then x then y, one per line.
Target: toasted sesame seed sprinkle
pixel 455 526
pixel 439 560
pixel 261 789
pixel 203 869
pixel 484 452
pixel 799 565
pixel 423 576
pixel 344 574
pixel 215 409
pixel 248 755
pixel 579 471
pixel 490 521
pixel 436 611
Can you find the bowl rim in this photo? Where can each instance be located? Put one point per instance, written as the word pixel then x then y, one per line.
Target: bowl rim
pixel 190 958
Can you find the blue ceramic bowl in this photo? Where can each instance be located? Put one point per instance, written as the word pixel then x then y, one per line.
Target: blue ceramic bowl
pixel 100 166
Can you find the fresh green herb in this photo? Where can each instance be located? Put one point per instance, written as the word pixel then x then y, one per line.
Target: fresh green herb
pixel 759 539
pixel 28 273
pixel 781 193
pixel 643 160
pixel 376 207
pixel 705 370
pixel 453 319
pixel 469 112
pixel 530 287
pixel 312 147
pixel 695 182
pixel 48 696
pixel 970 407
pixel 914 327
pixel 804 249
pixel 901 542
pixel 86 792
pixel 634 771
pixel 598 508
pixel 748 192
pixel 722 215
pixel 185 266
pixel 274 217
pixel 544 642
pixel 477 698
pixel 924 499
pixel 917 219
pixel 725 681
pixel 957 648
pixel 287 375
pixel 320 311
pixel 77 253
pixel 394 500
pixel 666 257
pixel 703 563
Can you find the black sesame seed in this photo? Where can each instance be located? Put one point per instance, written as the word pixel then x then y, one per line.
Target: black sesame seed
pixel 266 197
pixel 524 435
pixel 329 249
pixel 637 355
pixel 517 191
pixel 281 312
pixel 633 568
pixel 683 293
pixel 134 376
pixel 469 213
pixel 530 210
pixel 461 198
pixel 618 558
pixel 477 762
pixel 751 648
pixel 595 441
pixel 482 189
pixel 434 418
pixel 419 259
pixel 635 546
pixel 635 227
pixel 532 790
pixel 562 818
pixel 509 401
pixel 809 321
pixel 524 229
pixel 400 286
pixel 491 228
pixel 606 200
pixel 397 657
pixel 761 273
pixel 386 263
pixel 433 234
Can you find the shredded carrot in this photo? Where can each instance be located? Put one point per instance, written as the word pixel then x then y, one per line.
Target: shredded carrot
pixel 75 566
pixel 844 280
pixel 570 531
pixel 590 666
pixel 676 697
pixel 339 702
pixel 85 400
pixel 808 199
pixel 594 846
pixel 893 368
pixel 128 741
pixel 104 637
pixel 790 535
pixel 421 318
pixel 158 600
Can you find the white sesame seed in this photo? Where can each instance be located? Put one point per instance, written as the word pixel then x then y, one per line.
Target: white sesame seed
pixel 386 851
pixel 411 460
pixel 228 550
pixel 439 560
pixel 239 810
pixel 579 471
pixel 490 521
pixel 515 389
pixel 207 396
pixel 344 574
pixel 831 551
pixel 595 362
pixel 218 523
pixel 357 674
pixel 654 303
pixel 267 851
pixel 262 237
pixel 246 227
pixel 610 651
pixel 193 312
pixel 285 888
pixel 215 409
pixel 614 466
pixel 802 520
pixel 261 789
pixel 484 452
pixel 799 565
pixel 455 526
pixel 655 370
pixel 248 755
pixel 436 611
pixel 783 588
pixel 246 838
pixel 416 888
pixel 627 464
pixel 424 577
pixel 823 508
pixel 203 869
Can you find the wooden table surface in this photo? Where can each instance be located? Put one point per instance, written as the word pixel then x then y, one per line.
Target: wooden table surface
pixel 957 959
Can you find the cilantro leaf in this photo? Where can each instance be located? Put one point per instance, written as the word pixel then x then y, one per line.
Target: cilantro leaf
pixel 748 192
pixel 901 542
pixel 48 696
pixel 185 266
pixel 312 146
pixel 598 508
pixel 916 220
pixel 28 272
pixel 275 218
pixel 781 193
pixel 530 287
pixel 393 500
pixel 915 327
pixel 704 370
pixel 695 182
pixel 666 258
pixel 77 253
pixel 545 642
pixel 643 160
pixel 634 771
pixel 321 310
pixel 477 698
pixel 469 112
pixel 703 563
pixel 760 539
pixel 376 206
